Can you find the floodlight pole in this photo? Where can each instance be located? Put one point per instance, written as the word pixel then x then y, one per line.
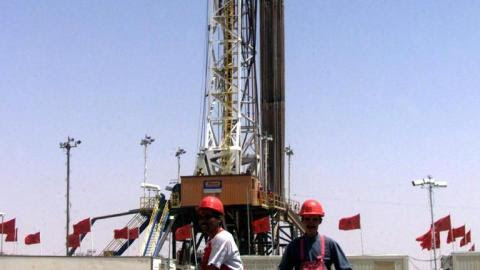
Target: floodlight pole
pixel 430 183
pixel 434 243
pixel 145 142
pixel 69 144
pixel 289 153
pixel 1 235
pixel 180 151
pixel 266 138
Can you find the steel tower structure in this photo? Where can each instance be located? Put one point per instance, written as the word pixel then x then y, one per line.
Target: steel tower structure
pixel 230 141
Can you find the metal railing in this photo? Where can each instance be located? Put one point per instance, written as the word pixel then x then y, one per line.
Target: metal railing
pixel 273 200
pixel 148 203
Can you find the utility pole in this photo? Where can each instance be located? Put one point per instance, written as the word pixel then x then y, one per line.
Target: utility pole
pixel 145 142
pixel 289 153
pixel 69 144
pixel 430 183
pixel 2 215
pixel 180 151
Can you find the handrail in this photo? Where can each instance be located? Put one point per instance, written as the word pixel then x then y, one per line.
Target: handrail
pixel 274 200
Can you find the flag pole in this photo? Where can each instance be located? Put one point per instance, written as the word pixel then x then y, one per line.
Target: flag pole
pixel 128 238
pixel 194 249
pixel 91 242
pixel 361 238
pixel 16 242
pixel 79 246
pixel 453 241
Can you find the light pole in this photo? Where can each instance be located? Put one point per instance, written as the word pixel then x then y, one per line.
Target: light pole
pixel 1 243
pixel 69 144
pixel 289 153
pixel 266 139
pixel 430 183
pixel 145 142
pixel 180 151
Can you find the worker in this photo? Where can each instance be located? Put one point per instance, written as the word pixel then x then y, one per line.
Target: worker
pixel 313 251
pixel 221 252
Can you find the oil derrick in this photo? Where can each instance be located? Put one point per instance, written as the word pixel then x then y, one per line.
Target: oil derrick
pixel 241 158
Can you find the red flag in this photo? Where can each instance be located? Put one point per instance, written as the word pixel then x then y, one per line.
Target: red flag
pixel 463 242
pixel 121 233
pixel 450 236
pixel 261 225
pixel 7 227
pixel 12 237
pixel 443 224
pixel 73 240
pixel 133 233
pixel 423 236
pixel 468 237
pixel 349 223
pixel 32 239
pixel 459 232
pixel 183 233
pixel 455 233
pixel 472 248
pixel 426 240
pixel 82 227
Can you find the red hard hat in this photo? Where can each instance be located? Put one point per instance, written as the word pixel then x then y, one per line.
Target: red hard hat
pixel 311 208
pixel 213 203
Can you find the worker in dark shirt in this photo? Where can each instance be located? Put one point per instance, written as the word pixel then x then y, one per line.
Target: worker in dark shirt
pixel 313 251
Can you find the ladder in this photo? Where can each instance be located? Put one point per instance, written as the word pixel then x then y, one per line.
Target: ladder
pixel 168 223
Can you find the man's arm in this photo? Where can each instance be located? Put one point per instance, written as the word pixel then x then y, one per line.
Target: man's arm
pixel 338 257
pixel 287 262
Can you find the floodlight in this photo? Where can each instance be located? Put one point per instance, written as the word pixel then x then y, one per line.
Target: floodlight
pixel 418 182
pixel 441 184
pixel 150 186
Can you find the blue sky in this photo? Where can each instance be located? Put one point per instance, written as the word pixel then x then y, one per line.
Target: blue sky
pixel 378 93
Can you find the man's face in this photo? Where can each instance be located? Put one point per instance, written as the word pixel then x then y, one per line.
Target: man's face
pixel 208 221
pixel 310 223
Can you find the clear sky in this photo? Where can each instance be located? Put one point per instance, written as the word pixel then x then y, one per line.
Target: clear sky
pixel 378 93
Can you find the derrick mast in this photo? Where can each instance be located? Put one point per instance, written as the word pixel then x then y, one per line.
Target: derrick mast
pixel 230 141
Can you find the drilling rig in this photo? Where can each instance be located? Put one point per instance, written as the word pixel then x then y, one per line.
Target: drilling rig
pixel 241 156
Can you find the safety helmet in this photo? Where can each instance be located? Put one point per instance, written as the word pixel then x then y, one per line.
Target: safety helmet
pixel 212 203
pixel 311 208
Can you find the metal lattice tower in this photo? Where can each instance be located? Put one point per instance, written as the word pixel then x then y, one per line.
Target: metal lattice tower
pixel 230 141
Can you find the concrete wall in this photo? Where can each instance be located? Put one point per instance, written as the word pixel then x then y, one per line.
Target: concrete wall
pixel 384 262
pixel 74 263
pixel 394 262
pixel 147 263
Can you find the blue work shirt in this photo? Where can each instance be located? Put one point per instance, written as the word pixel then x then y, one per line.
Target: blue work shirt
pixel 311 249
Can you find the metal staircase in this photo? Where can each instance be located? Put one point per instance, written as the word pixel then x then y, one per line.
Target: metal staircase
pixel 167 227
pixel 294 219
pixel 117 246
pixel 155 226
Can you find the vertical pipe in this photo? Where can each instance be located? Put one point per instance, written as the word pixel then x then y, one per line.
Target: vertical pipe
pixel 273 89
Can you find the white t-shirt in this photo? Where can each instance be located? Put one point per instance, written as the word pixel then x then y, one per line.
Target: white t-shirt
pixel 225 251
